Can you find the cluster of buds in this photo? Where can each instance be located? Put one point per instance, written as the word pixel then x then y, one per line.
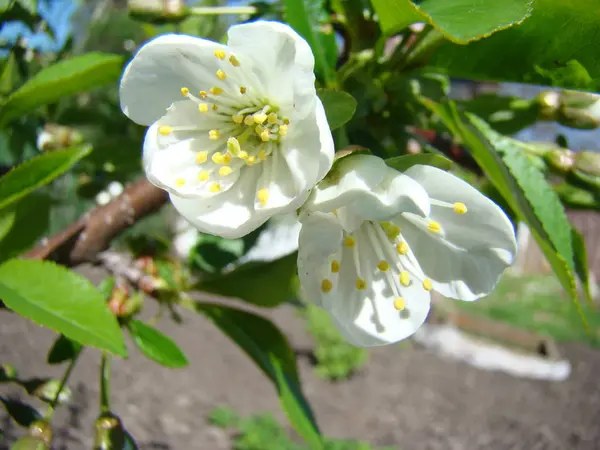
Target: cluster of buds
pixel 122 301
pixel 55 137
pixel 158 11
pixel 39 437
pixel 580 110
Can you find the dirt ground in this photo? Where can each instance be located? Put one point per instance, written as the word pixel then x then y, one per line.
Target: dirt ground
pixel 406 397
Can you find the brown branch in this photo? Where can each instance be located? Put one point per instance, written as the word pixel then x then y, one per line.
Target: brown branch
pixel 93 232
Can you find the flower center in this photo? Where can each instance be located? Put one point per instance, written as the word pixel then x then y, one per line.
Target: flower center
pixel 248 126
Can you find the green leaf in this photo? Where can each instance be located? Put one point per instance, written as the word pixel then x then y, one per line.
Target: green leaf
pixel 267 346
pixel 65 78
pixel 527 197
pixel 581 264
pixel 37 172
pixel 7 219
pixel 263 284
pixel 556 46
pixel 31 222
pixel 20 412
pixel 61 300
pixel 339 106
pixel 460 21
pixel 404 162
pixel 63 349
pixel 304 17
pixel 155 345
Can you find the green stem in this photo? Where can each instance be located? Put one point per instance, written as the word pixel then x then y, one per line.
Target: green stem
pixel 416 55
pixel 105 383
pixel 63 382
pixel 221 10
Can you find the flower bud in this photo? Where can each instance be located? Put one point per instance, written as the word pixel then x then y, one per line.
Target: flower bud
pixel 158 11
pixel 54 137
pixel 560 160
pixel 587 168
pixel 579 110
pixel 42 430
pixel 47 391
pixel 131 305
pixel 108 433
pixel 549 102
pixel 29 443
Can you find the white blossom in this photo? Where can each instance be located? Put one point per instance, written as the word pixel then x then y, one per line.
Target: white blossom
pixel 375 242
pixel 237 133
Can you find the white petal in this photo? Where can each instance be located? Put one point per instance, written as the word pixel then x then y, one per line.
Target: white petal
pixel 308 149
pixel 230 214
pixel 320 237
pixel 476 247
pixel 153 79
pixel 277 179
pixel 283 61
pixel 363 187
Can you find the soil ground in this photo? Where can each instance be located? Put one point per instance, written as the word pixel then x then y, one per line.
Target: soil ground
pixel 406 397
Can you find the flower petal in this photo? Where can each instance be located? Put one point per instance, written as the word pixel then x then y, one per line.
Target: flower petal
pixel 283 61
pixel 466 260
pixel 309 149
pixel 363 187
pixel 153 79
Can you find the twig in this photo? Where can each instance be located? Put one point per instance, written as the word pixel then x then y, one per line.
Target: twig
pixel 92 233
pixel 121 265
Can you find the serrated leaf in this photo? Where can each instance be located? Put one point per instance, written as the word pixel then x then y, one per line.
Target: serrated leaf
pixel 57 298
pixel 484 152
pixel 339 106
pixel 264 284
pixel 155 345
pixel 63 349
pixel 262 341
pixel 534 52
pixel 402 163
pixel 65 78
pixel 303 16
pixel 37 172
pixel 460 21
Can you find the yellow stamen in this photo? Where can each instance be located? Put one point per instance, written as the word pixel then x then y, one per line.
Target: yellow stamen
pixel 234 61
pixel 221 75
pixel 434 226
pixel 263 196
pixel 203 94
pixel 384 266
pixel 460 208
pixel 404 278
pixel 335 266
pixel 165 129
pixel 326 285
pixel 242 154
pixel 264 136
pixel 251 160
pixel 179 181
pixel 259 129
pixel 215 187
pixel 216 90
pixel 262 155
pixel 217 158
pixel 213 135
pixel 214 107
pixel 185 91
pixel 260 118
pixel 272 118
pixel 392 231
pixel 203 107
pixel 225 170
pixel 360 284
pixel 427 285
pixel 283 129
pixel 349 242
pixel 201 157
pixel 220 54
pixel 237 119
pixel 227 158
pixel 249 120
pixel 399 304
pixel 402 248
pixel 203 176
pixel 242 89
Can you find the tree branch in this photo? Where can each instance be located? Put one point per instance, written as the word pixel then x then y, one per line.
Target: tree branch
pixel 90 234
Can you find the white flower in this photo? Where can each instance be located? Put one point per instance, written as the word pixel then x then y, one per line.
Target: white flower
pixel 375 242
pixel 237 131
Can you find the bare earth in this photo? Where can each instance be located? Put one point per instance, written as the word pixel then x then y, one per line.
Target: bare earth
pixel 406 397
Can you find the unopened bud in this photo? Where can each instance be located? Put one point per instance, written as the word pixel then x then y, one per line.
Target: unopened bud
pixel 549 102
pixel 560 160
pixel 132 305
pixel 108 433
pixel 579 110
pixel 42 430
pixel 7 372
pixel 587 168
pixel 30 443
pixel 158 11
pixel 48 390
pixel 54 137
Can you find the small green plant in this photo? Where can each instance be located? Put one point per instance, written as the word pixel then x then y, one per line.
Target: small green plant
pixel 263 432
pixel 336 358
